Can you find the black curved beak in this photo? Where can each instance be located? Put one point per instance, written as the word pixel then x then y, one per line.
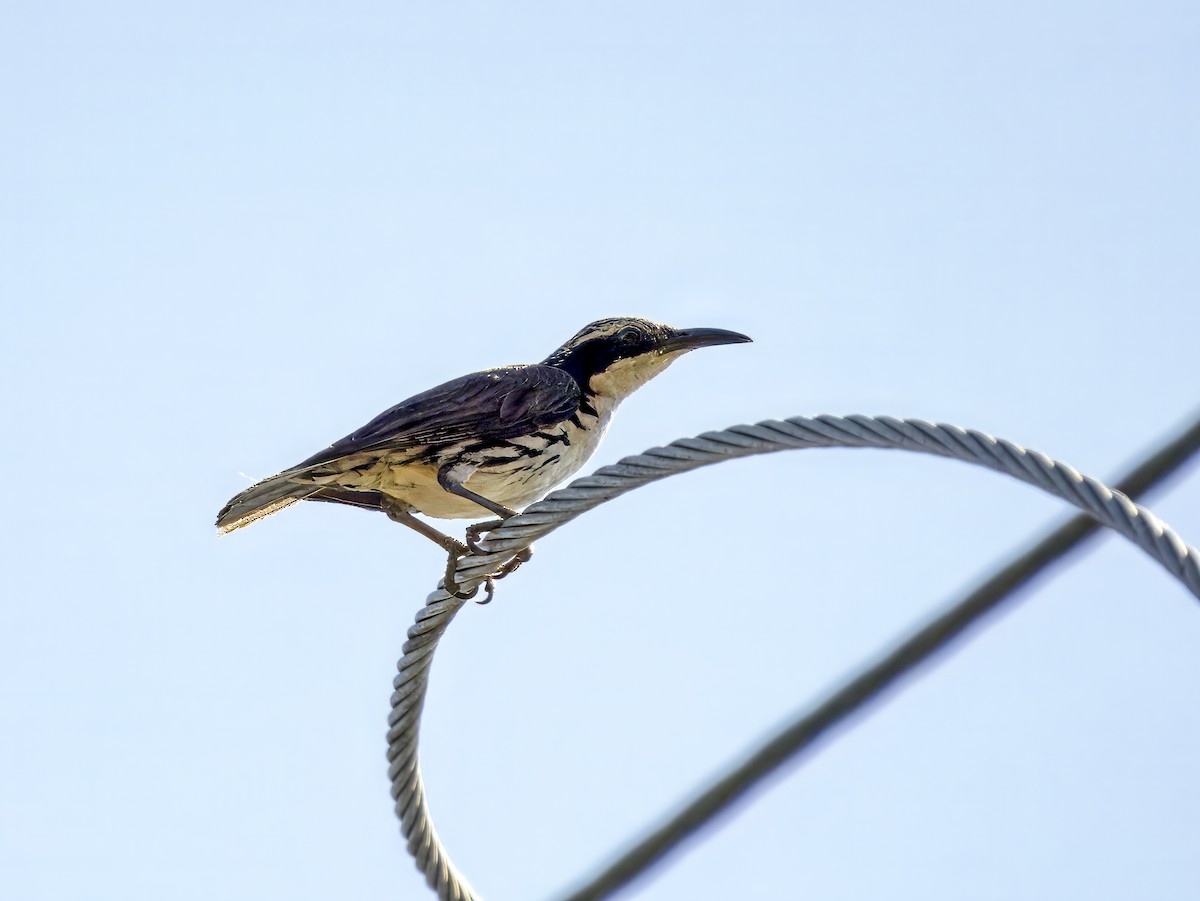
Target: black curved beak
pixel 690 338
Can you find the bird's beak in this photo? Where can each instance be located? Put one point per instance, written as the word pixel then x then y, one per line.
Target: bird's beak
pixel 685 339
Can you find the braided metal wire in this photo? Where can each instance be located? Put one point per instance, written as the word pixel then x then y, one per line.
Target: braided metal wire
pixel 1110 508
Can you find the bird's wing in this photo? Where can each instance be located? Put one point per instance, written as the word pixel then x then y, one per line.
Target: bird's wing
pixel 491 405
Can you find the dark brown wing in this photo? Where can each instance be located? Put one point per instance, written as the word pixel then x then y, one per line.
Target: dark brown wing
pixel 491 405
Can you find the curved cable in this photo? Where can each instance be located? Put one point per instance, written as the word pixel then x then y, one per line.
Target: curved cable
pixel 802 732
pixel 1109 508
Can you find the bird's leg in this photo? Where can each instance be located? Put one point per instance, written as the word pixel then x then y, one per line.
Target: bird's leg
pixel 474 531
pixel 453 547
pixel 455 487
pixel 398 514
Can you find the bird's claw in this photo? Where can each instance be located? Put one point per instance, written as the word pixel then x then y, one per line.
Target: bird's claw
pixel 514 563
pixel 475 530
pixel 452 587
pixel 489 583
pixel 457 550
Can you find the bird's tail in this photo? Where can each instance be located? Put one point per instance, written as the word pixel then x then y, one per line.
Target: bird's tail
pixel 263 499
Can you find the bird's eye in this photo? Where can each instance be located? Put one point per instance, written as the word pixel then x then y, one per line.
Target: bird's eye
pixel 628 335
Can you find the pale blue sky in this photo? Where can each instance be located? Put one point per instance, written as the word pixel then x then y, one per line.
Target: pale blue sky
pixel 231 234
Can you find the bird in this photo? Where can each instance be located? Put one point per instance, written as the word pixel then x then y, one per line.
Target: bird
pixel 490 442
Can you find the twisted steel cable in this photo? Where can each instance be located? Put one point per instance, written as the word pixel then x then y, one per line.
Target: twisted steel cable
pixel 1108 507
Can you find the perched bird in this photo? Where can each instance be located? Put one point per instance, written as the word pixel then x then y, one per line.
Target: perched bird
pixel 488 442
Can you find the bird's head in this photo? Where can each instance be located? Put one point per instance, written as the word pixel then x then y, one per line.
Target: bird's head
pixel 611 358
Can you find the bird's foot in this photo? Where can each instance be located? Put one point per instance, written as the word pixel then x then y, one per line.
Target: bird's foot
pixel 451 584
pixel 512 565
pixel 489 581
pixel 475 530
